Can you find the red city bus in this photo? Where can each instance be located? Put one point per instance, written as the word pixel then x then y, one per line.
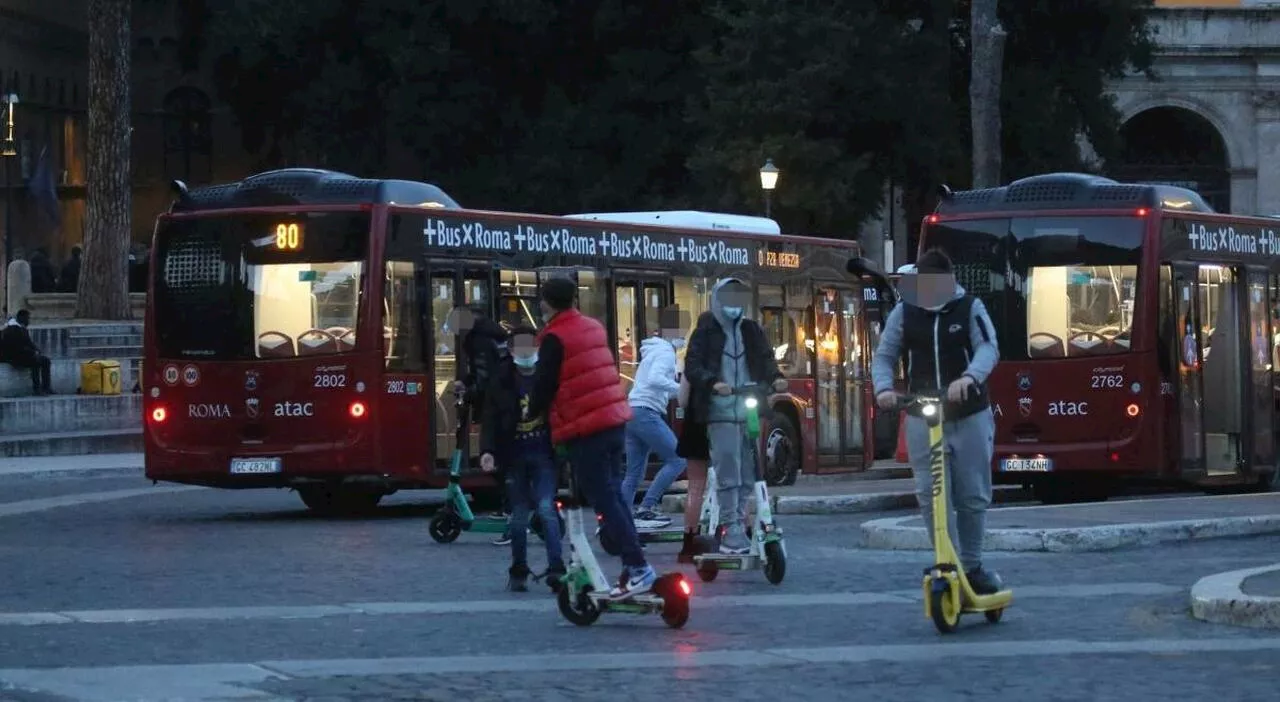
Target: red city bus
pixel 297 328
pixel 1136 331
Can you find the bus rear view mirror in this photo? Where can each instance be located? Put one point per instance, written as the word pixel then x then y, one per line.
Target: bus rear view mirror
pixel 865 267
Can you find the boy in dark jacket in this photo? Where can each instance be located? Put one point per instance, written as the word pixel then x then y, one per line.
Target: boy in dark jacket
pixel 521 444
pixel 726 352
pixel 483 343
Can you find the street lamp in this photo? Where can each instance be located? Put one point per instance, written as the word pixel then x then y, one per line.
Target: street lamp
pixel 768 181
pixel 9 150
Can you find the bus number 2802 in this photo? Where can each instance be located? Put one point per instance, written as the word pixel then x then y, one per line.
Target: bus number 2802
pixel 1101 382
pixel 330 380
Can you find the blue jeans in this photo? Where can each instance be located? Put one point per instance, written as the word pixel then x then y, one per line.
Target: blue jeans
pixel 648 432
pixel 532 479
pixel 597 463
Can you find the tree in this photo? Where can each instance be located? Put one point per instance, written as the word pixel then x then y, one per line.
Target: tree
pixel 986 51
pixel 103 290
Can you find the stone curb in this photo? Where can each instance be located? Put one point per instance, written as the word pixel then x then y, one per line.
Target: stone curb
pixel 890 534
pixel 1220 599
pixel 855 503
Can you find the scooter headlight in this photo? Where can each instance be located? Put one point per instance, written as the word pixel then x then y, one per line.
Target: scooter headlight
pixel 929 409
pixel 752 403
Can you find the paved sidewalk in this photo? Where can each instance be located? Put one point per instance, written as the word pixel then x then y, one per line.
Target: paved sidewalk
pixel 1100 526
pixel 91 465
pixel 1249 597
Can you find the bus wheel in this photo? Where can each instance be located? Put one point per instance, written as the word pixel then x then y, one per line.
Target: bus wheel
pixel 339 501
pixel 782 451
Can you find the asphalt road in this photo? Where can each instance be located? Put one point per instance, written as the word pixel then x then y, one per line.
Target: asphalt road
pixel 114 591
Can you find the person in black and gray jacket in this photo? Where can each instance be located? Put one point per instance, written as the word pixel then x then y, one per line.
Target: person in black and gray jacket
pixel 948 343
pixel 728 351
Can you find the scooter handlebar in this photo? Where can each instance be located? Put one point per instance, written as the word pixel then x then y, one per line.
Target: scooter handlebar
pixel 928 404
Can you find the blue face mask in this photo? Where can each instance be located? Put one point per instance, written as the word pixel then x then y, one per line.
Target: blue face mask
pixel 526 362
pixel 733 312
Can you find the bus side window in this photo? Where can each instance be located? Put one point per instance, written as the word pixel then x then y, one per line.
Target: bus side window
pixel 402 325
pixel 1165 325
pixel 779 329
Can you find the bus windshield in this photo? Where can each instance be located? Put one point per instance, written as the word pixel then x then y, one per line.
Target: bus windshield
pixel 251 286
pixel 1055 287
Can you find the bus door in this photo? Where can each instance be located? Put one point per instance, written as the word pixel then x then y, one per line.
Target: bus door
pixel 1211 332
pixel 638 298
pixel 452 284
pixel 840 344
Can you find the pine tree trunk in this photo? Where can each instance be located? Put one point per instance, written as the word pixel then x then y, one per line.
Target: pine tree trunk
pixel 986 46
pixel 103 292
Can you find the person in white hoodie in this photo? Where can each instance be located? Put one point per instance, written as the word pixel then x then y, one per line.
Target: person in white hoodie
pixel 656 383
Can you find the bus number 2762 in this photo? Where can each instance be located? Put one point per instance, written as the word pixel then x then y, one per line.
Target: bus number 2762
pixel 1107 381
pixel 330 380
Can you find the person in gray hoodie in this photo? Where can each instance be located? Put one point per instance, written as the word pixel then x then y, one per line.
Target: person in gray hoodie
pixel 728 351
pixel 948 342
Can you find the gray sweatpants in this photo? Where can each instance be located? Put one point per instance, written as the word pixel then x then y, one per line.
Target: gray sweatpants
pixel 969 446
pixel 735 473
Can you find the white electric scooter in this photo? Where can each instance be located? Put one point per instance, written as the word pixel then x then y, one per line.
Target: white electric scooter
pixel 583 593
pixel 768 550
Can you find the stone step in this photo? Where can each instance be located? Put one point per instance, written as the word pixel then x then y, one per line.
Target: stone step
pixel 92 340
pixel 57 340
pixel 70 413
pixel 71 443
pixel 101 352
pixel 64 374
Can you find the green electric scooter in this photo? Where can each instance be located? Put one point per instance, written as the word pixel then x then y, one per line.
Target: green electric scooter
pixel 456 516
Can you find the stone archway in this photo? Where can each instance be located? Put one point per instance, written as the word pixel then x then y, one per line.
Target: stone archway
pixel 1176 146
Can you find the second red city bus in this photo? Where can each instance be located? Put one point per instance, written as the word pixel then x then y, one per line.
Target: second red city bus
pixel 297 329
pixel 1137 328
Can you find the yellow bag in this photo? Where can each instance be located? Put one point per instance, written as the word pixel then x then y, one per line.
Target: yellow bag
pixel 100 377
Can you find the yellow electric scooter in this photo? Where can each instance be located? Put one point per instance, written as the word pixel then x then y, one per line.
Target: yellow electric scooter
pixel 947 593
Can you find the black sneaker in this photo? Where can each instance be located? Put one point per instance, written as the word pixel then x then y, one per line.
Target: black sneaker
pixel 555 576
pixel 687 549
pixel 504 539
pixel 516 577
pixel 984 582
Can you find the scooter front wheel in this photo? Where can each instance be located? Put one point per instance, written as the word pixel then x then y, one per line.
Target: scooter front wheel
pixel 577 607
pixel 444 528
pixel 775 566
pixel 945 615
pixel 993 615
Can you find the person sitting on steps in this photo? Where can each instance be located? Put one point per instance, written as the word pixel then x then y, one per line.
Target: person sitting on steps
pixel 18 350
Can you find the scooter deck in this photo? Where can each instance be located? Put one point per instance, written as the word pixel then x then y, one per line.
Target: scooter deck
pixel 986 603
pixel 729 561
pixel 664 535
pixel 647 602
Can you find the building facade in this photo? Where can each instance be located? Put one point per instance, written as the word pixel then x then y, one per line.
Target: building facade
pixel 1211 118
pixel 44 60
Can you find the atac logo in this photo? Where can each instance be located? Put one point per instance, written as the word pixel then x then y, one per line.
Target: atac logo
pixel 1024 381
pixel 1024 406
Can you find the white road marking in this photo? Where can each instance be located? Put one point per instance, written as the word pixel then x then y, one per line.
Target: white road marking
pixel 208 682
pixel 12 509
pixel 542 605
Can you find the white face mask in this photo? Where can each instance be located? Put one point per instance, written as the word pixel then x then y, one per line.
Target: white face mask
pixel 678 342
pixel 526 362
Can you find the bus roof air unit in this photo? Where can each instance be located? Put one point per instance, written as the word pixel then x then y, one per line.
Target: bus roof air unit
pixel 689 219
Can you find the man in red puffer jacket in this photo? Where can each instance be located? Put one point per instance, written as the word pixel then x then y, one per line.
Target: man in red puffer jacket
pixel 577 386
